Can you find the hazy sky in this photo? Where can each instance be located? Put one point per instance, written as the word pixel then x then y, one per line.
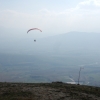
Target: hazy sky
pixel 51 16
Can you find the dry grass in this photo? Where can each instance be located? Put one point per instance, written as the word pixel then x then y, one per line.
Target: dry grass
pixel 47 91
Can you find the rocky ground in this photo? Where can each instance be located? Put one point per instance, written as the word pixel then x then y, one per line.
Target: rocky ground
pixel 47 91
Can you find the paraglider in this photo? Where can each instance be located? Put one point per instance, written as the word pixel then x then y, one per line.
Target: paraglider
pixel 34 40
pixel 34 29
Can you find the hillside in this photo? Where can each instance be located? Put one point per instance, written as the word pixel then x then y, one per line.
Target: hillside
pixel 68 43
pixel 47 91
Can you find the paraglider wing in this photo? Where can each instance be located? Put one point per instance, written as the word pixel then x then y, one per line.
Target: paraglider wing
pixel 34 29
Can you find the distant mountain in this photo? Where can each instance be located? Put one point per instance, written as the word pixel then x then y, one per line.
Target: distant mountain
pixel 72 42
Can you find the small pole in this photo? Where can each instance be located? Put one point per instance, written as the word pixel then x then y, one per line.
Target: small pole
pixel 79 74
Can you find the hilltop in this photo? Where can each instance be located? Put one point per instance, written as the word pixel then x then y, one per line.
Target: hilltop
pixel 48 91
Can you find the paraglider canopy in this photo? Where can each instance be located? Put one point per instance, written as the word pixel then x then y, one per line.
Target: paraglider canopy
pixel 34 29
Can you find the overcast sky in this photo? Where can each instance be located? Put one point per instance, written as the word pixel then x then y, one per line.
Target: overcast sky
pixel 51 16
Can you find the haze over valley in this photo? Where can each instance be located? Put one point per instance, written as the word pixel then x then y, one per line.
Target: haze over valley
pixel 52 58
